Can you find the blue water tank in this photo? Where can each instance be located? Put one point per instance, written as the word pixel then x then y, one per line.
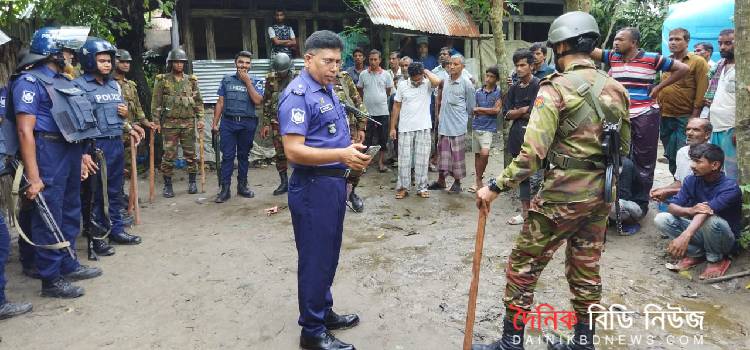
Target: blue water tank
pixel 703 19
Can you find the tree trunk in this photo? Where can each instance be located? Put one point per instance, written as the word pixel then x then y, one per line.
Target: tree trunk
pixel 496 20
pixel 132 39
pixel 578 5
pixel 742 64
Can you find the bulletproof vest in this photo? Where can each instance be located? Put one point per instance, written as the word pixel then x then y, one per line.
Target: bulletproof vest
pixel 178 98
pixel 71 110
pixel 8 135
pixel 236 100
pixel 104 99
pixel 283 32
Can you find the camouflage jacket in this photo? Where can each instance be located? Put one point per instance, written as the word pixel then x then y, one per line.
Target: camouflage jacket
pixel 348 94
pixel 556 101
pixel 176 103
pixel 130 94
pixel 275 85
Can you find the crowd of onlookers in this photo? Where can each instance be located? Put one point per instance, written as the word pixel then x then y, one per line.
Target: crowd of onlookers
pixel 428 116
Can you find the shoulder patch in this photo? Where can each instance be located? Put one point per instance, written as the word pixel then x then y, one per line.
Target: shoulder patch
pixel 27 96
pixel 298 116
pixel 539 102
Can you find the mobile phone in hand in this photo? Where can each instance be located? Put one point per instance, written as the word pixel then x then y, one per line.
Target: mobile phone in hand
pixel 372 150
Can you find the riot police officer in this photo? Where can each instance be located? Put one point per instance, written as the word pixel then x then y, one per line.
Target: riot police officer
pixel 177 105
pixel 573 114
pixel 97 57
pixel 8 148
pixel 277 79
pixel 44 105
pixel 316 139
pixel 236 109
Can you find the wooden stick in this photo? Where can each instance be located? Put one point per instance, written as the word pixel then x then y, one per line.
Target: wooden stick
pixel 474 289
pixel 202 163
pixel 151 176
pixel 728 277
pixel 134 181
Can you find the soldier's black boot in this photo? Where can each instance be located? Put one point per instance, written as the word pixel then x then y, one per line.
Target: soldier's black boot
pixel 8 310
pixel 512 339
pixel 60 288
pixel 583 339
pixel 102 248
pixel 124 238
pixel 242 189
pixel 168 191
pixel 283 186
pixel 358 205
pixel 224 194
pixel 192 186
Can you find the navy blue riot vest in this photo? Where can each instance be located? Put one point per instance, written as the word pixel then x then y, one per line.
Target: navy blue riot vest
pixel 71 110
pixel 8 135
pixel 237 102
pixel 104 99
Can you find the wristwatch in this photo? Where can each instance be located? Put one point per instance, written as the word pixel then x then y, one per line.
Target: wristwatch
pixel 492 185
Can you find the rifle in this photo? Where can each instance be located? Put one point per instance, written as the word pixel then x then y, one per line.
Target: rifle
pixel 217 153
pixel 611 149
pixel 352 109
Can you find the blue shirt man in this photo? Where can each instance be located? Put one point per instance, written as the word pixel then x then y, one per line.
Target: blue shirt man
pixel 486 99
pixel 313 125
pixel 238 96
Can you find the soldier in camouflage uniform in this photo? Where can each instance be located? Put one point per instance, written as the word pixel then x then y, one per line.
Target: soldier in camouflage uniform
pixel 282 72
pixel 565 130
pixel 135 116
pixel 177 104
pixel 348 95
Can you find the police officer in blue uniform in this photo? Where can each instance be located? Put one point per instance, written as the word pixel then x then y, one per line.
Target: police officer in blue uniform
pixel 8 148
pixel 315 133
pixel 97 57
pixel 237 100
pixel 52 118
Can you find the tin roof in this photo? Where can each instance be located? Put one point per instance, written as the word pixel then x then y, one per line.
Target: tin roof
pixel 210 73
pixel 431 16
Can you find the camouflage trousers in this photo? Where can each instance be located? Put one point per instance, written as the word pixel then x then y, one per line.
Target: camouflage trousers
pixel 280 157
pixel 184 137
pixel 582 226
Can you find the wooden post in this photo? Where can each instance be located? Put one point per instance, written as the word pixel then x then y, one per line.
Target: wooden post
pixel 210 39
pixel 302 35
pixel 315 10
pixel 267 23
pixel 246 40
pixel 187 29
pixel 254 37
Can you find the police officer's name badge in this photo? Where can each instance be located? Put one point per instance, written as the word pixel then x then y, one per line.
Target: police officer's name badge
pixel 27 96
pixel 326 108
pixel 298 116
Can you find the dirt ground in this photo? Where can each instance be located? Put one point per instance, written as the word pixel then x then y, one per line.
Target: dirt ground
pixel 211 276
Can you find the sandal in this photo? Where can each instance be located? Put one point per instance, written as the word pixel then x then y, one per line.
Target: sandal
pixel 715 270
pixel 400 194
pixel 685 264
pixel 423 194
pixel 473 189
pixel 516 220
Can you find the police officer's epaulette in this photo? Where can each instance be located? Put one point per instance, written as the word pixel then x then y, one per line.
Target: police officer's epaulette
pixel 299 90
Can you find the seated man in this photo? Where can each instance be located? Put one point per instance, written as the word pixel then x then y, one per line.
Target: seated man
pixel 633 201
pixel 704 217
pixel 698 131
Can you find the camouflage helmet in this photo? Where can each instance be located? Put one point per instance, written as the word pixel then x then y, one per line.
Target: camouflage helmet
pixel 281 62
pixel 177 54
pixel 123 55
pixel 572 25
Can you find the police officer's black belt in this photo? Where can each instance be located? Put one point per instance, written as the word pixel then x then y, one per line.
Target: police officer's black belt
pixel 566 162
pixel 109 137
pixel 50 136
pixel 238 118
pixel 332 172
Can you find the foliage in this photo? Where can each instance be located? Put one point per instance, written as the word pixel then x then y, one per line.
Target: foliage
pixel 480 9
pixel 646 15
pixel 745 235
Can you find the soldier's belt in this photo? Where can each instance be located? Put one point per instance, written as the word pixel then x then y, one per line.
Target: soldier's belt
pixel 566 162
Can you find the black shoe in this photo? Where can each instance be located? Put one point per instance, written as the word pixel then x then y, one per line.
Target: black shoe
pixel 124 238
pixel 224 194
pixel 192 186
pixel 83 272
pixel 102 248
pixel 9 310
pixel 283 186
pixel 168 192
pixel 358 205
pixel 242 189
pixel 512 339
pixel 455 188
pixel 31 272
pixel 583 339
pixel 436 186
pixel 61 288
pixel 335 321
pixel 324 341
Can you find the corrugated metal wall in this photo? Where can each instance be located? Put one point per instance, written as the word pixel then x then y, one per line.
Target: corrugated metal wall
pixel 210 73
